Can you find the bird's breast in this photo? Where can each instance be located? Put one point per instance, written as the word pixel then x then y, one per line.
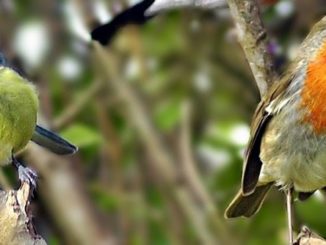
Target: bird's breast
pixel 313 94
pixel 18 111
pixel 292 151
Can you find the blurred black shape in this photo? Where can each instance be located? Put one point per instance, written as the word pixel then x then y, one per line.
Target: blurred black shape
pixel 3 60
pixel 132 15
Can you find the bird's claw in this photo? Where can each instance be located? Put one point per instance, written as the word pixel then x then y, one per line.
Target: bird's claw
pixel 28 175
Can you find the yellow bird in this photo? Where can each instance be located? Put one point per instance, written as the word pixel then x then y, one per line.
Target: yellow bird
pixel 18 115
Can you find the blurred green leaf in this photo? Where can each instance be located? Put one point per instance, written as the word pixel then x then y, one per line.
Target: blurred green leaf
pixel 167 34
pixel 158 234
pixel 168 115
pixel 312 212
pixel 53 240
pixel 82 135
pixel 108 202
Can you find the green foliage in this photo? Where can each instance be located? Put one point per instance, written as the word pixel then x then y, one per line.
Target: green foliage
pixel 108 202
pixel 168 114
pixel 115 166
pixel 82 135
pixel 312 213
pixel 53 241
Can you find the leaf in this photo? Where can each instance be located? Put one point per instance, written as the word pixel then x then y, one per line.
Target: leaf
pixel 168 115
pixel 82 135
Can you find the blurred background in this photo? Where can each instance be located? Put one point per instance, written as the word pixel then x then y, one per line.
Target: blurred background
pixel 161 118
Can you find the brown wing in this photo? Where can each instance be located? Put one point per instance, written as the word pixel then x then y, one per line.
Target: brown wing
pixel 247 205
pixel 252 162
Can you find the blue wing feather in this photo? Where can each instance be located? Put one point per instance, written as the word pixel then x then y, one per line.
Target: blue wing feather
pixel 52 141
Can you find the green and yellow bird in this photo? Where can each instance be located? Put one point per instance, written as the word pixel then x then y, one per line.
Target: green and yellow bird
pixel 18 115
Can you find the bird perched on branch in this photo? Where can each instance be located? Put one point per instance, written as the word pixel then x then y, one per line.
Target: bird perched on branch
pixel 287 147
pixel 18 114
pixel 137 15
pixel 133 15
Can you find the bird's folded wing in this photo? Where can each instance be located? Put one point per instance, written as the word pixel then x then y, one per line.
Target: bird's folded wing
pixel 265 112
pixel 52 141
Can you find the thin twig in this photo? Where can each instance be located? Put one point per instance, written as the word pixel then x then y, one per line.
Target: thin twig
pixel 165 5
pixel 137 112
pixel 191 175
pixel 187 162
pixel 78 105
pixel 164 162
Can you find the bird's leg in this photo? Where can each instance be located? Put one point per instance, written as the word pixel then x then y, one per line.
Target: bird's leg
pixel 25 174
pixel 289 213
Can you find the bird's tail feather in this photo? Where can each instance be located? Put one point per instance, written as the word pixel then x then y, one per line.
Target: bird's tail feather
pixel 52 141
pixel 247 205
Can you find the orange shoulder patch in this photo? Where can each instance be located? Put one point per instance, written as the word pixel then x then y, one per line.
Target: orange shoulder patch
pixel 313 93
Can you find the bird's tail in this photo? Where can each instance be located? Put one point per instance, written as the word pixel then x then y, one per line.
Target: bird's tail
pixel 132 15
pixel 105 33
pixel 52 141
pixel 247 205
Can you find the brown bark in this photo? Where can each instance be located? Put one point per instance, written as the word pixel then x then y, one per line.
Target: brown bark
pixel 15 220
pixel 253 39
pixel 307 237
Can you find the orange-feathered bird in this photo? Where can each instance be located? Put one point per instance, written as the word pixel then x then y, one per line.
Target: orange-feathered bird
pixel 287 147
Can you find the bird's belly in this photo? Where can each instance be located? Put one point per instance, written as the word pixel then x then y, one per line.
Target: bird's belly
pixel 297 172
pixel 292 154
pixel 18 111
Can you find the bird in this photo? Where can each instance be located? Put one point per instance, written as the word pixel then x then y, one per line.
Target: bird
pixel 287 144
pixel 133 15
pixel 18 122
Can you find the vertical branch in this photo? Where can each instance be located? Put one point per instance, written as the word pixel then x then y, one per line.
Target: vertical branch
pixel 191 175
pixel 137 113
pixel 253 39
pixel 187 162
pixel 164 162
pixel 15 220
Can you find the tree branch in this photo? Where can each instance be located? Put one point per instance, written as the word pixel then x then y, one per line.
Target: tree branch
pixel 307 237
pixel 164 161
pixel 15 221
pixel 251 33
pixel 78 105
pixel 253 39
pixel 165 5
